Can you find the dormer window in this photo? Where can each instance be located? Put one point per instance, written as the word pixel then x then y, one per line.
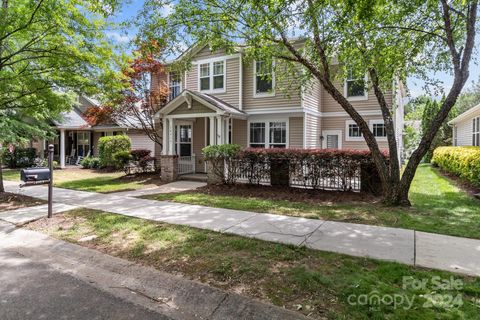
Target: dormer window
pixel 264 81
pixel 212 76
pixel 174 85
pixel 355 86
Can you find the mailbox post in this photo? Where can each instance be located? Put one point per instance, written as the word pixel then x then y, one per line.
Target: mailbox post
pixel 50 184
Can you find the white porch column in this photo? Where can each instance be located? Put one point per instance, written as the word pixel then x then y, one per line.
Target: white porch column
pixel 171 136
pixel 213 135
pixel 165 136
pixel 62 148
pixel 220 131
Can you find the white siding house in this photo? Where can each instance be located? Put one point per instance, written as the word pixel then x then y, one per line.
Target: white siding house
pixel 466 128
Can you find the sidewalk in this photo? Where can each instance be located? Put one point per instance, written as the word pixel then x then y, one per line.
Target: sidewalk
pixel 48 278
pixel 401 245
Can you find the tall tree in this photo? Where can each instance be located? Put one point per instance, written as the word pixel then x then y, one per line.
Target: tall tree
pixel 49 48
pixel 388 40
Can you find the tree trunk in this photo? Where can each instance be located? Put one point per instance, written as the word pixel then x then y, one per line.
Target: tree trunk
pixel 2 188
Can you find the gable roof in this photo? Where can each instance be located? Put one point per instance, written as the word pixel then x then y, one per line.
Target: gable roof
pixel 465 115
pixel 72 119
pixel 217 105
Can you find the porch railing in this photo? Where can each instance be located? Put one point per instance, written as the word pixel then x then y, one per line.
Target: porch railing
pixel 186 164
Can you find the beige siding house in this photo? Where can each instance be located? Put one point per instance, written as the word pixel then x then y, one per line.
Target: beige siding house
pixel 466 128
pixel 223 98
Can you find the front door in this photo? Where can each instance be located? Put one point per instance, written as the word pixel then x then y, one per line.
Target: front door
pixel 83 143
pixel 332 139
pixel 183 148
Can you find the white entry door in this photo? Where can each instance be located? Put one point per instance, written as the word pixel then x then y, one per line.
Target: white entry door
pixel 332 139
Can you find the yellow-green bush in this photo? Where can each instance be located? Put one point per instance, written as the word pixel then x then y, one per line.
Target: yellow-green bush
pixel 461 161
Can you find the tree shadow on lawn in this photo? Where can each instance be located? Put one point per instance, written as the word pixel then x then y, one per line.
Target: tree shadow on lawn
pixel 301 279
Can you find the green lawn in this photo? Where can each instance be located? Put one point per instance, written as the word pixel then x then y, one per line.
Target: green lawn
pixel 93 180
pixel 315 283
pixel 438 207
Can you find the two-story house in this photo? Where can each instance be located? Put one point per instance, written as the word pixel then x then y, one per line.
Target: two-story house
pixel 223 98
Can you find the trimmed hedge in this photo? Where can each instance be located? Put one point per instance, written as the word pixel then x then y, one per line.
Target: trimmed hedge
pixel 109 146
pixel 460 161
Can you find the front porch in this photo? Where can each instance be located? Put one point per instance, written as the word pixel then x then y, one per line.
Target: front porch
pixel 191 122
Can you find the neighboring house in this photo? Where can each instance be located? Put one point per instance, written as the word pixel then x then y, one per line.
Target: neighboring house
pixel 76 138
pixel 466 128
pixel 223 98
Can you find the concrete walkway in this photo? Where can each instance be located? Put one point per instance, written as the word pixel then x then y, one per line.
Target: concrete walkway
pixel 24 215
pixel 406 246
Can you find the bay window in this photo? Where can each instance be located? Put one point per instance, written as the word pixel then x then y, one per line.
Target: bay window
pixel 268 134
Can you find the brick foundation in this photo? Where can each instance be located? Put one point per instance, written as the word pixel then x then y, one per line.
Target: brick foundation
pixel 169 168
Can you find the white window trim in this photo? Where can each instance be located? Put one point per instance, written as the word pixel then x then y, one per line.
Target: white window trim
pixel 267 129
pixel 347 132
pixel 210 63
pixel 376 121
pixel 168 81
pixel 356 98
pixel 263 94
pixel 332 132
pixel 476 132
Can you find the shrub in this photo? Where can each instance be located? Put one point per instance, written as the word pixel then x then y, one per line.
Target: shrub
pixel 20 158
pixel 90 163
pixel 110 145
pixel 460 161
pixel 139 154
pixel 146 162
pixel 121 158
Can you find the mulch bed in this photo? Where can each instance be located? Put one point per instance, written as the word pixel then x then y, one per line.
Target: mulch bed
pixel 11 201
pixel 289 194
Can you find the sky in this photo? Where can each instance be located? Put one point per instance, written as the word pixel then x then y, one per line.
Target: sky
pixel 415 86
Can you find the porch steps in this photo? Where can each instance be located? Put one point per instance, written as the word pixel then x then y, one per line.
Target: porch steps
pixel 202 177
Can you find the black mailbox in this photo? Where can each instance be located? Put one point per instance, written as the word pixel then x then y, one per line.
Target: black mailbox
pixel 35 174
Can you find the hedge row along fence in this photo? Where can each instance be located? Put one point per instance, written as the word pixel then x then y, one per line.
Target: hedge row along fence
pixel 461 161
pixel 329 169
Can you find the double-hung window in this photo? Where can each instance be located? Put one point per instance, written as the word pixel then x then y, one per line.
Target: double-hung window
pixel 476 132
pixel 353 131
pixel 212 76
pixel 378 129
pixel 174 85
pixel 355 85
pixel 270 134
pixel 264 78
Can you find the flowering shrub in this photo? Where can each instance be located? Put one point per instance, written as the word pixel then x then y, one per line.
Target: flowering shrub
pixel 461 161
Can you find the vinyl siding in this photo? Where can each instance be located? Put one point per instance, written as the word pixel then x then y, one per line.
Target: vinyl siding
pixel 339 123
pixel 196 107
pixel 295 133
pixel 141 141
pixel 239 134
pixel 312 95
pixel 330 105
pixel 232 80
pixel 286 92
pixel 465 130
pixel 312 131
pixel 206 53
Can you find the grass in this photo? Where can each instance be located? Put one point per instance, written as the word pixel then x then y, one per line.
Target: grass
pixel 438 206
pixel 317 284
pixel 92 180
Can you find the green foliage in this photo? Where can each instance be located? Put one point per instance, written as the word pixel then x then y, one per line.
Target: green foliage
pixel 444 134
pixel 221 151
pixel 90 163
pixel 461 161
pixel 19 158
pixel 468 98
pixel 122 158
pixel 109 146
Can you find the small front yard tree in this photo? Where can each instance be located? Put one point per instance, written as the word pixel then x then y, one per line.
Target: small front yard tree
pixel 387 40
